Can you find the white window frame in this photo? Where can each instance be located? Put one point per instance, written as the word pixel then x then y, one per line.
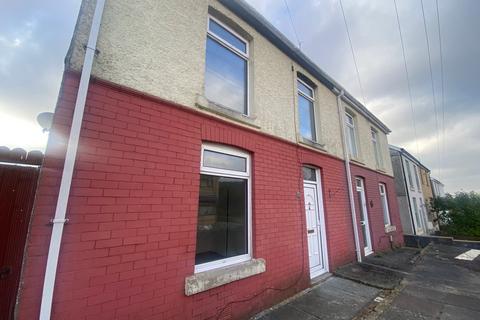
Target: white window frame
pixel 232 174
pixel 243 55
pixel 384 199
pixel 417 180
pixel 376 148
pixel 312 100
pixel 351 140
pixel 409 174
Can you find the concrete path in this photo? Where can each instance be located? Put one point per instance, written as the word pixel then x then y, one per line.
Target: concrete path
pixel 335 298
pixel 439 287
pixel 435 285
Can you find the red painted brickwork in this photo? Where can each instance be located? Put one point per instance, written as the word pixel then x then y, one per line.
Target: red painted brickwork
pixel 380 240
pixel 130 241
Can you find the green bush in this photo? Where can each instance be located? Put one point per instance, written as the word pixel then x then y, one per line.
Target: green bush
pixel 459 214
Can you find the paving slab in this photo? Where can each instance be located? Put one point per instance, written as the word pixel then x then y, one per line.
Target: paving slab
pixel 402 259
pixel 375 276
pixel 335 298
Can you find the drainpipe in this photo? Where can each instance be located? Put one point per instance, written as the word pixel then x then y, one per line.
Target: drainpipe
pixel 60 212
pixel 346 155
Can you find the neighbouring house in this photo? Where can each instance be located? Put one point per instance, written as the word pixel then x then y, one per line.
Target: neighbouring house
pixel 438 188
pixel 213 172
pixel 432 219
pixel 410 196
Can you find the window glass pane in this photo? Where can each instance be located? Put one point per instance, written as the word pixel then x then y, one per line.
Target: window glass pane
pixel 352 143
pixel 359 183
pixel 224 161
pixel 225 77
pixel 306 90
pixel 349 119
pixel 222 219
pixel 416 177
pixel 309 174
pixel 307 120
pixel 409 173
pixel 386 219
pixel 226 35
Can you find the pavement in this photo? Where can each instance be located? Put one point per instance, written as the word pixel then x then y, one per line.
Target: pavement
pixel 403 284
pixel 440 287
pixel 335 298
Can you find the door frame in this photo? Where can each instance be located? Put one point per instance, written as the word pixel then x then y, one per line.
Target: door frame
pixel 368 247
pixel 320 219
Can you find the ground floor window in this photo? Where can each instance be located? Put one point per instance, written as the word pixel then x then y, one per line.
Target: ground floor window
pixel 223 229
pixel 383 199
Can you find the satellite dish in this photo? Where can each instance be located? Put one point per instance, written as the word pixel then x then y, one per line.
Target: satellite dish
pixel 45 119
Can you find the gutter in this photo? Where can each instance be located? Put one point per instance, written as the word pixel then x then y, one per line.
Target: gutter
pixel 248 14
pixel 60 212
pixel 341 116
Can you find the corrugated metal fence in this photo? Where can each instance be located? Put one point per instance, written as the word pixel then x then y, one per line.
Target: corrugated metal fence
pixel 18 181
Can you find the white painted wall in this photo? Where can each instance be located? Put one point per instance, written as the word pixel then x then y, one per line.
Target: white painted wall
pixel 158 47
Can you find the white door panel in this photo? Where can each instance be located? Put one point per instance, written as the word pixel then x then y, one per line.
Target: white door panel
pixel 315 237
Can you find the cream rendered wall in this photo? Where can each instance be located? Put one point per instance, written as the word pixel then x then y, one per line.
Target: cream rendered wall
pixel 158 47
pixel 365 146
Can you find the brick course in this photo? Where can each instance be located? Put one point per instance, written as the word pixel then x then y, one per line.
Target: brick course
pixel 130 241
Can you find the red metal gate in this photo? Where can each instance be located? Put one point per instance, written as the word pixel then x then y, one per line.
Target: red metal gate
pixel 18 181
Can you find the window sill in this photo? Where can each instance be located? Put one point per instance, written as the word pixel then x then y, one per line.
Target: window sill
pixel 356 160
pixel 311 143
pixel 207 280
pixel 390 228
pixel 381 169
pixel 212 107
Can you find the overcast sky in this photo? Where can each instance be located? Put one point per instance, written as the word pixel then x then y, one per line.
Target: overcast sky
pixel 34 37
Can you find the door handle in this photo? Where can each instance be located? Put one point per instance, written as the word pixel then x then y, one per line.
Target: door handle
pixel 5 271
pixel 310 231
pixel 362 223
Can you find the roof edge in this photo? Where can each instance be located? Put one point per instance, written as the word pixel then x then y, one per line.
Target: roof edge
pixel 247 13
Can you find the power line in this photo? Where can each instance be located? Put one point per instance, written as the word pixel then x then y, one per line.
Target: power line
pixel 293 26
pixel 353 53
pixel 408 78
pixel 442 80
pixel 433 85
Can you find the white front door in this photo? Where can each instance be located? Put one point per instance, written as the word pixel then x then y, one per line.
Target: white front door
pixel 364 224
pixel 315 227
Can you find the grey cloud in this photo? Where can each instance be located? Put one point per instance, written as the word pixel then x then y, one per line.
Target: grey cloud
pixel 376 41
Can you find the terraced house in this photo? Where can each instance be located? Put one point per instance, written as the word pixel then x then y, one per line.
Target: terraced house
pixel 199 166
pixel 411 196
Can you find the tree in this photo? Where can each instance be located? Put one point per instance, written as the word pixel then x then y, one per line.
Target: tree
pixel 459 214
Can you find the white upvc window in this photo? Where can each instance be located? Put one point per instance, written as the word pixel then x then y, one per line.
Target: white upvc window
pixel 351 135
pixel 224 232
pixel 226 67
pixel 415 169
pixel 409 174
pixel 376 148
pixel 306 110
pixel 384 200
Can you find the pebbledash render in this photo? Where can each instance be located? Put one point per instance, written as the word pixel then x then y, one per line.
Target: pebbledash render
pixel 210 178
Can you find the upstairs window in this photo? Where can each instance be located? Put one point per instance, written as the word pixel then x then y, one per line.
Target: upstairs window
pixel 351 137
pixel 224 215
pixel 376 149
pixel 226 68
pixel 383 199
pixel 409 174
pixel 416 177
pixel 306 110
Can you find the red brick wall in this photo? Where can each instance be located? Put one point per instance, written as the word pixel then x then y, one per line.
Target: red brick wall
pixel 380 240
pixel 130 241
